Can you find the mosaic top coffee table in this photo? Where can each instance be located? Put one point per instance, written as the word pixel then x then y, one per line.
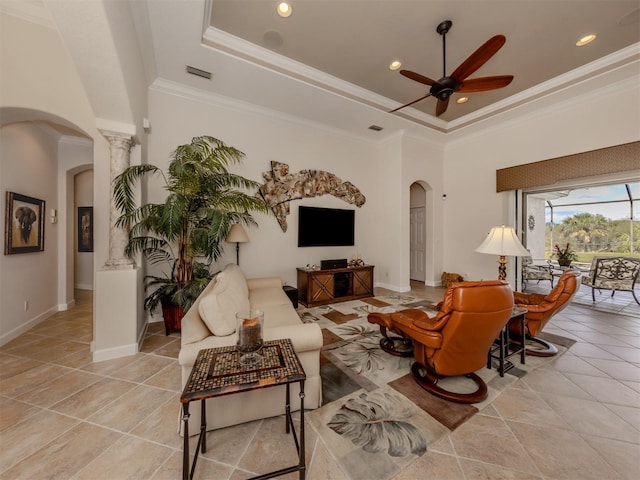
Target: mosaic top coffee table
pixel 217 372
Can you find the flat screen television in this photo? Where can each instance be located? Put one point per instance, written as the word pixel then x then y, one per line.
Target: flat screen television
pixel 325 227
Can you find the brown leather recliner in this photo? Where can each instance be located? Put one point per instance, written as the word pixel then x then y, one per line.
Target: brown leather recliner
pixel 457 340
pixel 540 308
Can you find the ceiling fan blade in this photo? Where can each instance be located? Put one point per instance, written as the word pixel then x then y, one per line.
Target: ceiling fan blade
pixel 441 107
pixel 479 57
pixel 410 103
pixel 417 77
pixel 481 84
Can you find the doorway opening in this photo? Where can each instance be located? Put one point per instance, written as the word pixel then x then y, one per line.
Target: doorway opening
pixel 595 220
pixel 417 233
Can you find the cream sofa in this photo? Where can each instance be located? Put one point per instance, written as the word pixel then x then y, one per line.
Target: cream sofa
pixel 210 323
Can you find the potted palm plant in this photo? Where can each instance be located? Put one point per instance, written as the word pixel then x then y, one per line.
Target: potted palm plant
pixel 185 234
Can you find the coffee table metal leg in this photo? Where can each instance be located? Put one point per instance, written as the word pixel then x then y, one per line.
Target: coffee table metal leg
pixel 185 451
pixel 287 410
pixel 203 426
pixel 303 468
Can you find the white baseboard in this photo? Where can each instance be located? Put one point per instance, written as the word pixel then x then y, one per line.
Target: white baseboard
pixel 116 352
pixel 63 307
pixel 394 288
pixel 29 324
pixel 143 333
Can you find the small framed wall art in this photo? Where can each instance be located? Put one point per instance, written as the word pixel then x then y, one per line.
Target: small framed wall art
pixel 23 224
pixel 85 229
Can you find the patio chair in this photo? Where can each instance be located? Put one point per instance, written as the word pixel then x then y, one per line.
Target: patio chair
pixel 535 272
pixel 613 273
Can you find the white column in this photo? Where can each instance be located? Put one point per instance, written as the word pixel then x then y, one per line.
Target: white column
pixel 120 148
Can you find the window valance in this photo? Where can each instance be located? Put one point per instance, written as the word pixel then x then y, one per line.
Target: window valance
pixel 619 158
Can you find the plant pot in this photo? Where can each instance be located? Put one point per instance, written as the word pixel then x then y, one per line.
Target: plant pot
pixel 172 315
pixel 564 262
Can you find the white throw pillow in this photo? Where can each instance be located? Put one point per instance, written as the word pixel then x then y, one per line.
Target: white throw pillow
pixel 235 279
pixel 218 309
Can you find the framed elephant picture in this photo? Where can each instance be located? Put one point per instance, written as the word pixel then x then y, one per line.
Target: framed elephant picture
pixel 23 224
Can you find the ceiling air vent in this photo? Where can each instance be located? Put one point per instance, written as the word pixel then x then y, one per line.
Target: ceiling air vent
pixel 198 72
pixel 375 128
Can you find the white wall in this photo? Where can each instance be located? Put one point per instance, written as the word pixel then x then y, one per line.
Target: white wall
pixel 535 238
pixel 263 138
pixel 423 161
pixel 29 163
pixel 55 96
pixel 75 155
pixel 473 207
pixel 83 261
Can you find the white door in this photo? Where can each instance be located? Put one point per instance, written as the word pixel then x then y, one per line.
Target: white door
pixel 417 245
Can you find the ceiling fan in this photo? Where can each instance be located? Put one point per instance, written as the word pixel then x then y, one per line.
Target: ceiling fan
pixel 457 82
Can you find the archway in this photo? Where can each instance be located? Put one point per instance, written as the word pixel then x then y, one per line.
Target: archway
pixel 421 236
pixel 51 146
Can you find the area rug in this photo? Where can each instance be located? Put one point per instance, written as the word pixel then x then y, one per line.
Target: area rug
pixel 375 420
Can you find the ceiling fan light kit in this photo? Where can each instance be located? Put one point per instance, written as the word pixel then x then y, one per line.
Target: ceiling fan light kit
pixel 457 82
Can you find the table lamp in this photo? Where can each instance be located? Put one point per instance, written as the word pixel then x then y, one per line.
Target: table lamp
pixel 238 235
pixel 502 241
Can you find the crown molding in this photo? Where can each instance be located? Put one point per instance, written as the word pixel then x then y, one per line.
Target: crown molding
pixel 170 87
pixel 240 48
pixel 587 73
pixel 33 12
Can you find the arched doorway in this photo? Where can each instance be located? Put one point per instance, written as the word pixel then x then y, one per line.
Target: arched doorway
pixel 417 232
pixel 39 150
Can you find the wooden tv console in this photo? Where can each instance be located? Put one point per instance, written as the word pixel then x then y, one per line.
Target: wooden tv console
pixel 319 287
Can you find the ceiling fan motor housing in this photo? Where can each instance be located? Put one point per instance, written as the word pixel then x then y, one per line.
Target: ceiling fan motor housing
pixel 445 87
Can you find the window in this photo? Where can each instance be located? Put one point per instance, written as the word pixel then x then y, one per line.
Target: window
pixel 596 220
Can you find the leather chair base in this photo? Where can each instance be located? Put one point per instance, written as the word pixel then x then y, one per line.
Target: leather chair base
pixel 547 350
pixel 397 346
pixel 428 380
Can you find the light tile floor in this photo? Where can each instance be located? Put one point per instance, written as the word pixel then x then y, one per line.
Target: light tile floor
pixel 64 417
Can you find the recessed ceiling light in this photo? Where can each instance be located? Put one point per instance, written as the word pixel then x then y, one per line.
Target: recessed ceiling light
pixel 284 9
pixel 462 100
pixel 585 40
pixel 395 65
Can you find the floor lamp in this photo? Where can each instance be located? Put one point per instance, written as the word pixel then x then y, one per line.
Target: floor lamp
pixel 238 235
pixel 504 242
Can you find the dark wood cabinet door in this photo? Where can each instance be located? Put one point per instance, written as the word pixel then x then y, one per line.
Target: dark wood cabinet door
pixel 321 286
pixel 363 281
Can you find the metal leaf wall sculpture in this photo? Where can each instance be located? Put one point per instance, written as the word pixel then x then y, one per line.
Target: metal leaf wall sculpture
pixel 281 187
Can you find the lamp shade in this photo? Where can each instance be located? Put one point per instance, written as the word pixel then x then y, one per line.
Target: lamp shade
pixel 503 241
pixel 237 234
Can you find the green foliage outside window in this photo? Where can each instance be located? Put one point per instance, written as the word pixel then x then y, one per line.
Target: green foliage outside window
pixel 594 235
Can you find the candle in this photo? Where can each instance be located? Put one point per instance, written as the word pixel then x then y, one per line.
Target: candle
pixel 249 336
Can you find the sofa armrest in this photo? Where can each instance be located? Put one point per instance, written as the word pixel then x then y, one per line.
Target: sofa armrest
pixel 264 282
pixel 304 337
